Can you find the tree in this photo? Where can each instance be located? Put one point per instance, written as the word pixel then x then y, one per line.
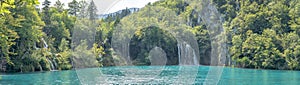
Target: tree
pixel 59 6
pixel 59 29
pixel 30 32
pixel 279 17
pixel 270 45
pixel 204 42
pixel 24 47
pixel 64 55
pixel 147 39
pixel 5 5
pixel 261 33
pixel 84 57
pixel 294 13
pixel 73 8
pixel 92 11
pixel 83 9
pixel 291 47
pixel 46 16
pixel 7 37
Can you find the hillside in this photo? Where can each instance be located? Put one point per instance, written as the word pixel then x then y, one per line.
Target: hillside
pixel 260 34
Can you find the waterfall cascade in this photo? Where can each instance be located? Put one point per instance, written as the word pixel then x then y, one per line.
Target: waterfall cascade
pixel 55 64
pixel 45 43
pixel 52 62
pixel 187 55
pixel 179 46
pixel 41 69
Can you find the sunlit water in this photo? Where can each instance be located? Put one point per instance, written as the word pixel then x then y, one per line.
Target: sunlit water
pixel 154 75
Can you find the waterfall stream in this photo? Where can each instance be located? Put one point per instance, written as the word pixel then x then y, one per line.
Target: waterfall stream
pixel 179 54
pixel 187 55
pixel 45 43
pixel 53 63
pixel 41 69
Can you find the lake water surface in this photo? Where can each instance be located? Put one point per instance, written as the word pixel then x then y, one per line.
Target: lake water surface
pixel 154 75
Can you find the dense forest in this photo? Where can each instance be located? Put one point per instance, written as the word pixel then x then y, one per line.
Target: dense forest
pixel 261 34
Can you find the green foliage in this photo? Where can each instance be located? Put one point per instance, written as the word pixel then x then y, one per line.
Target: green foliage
pixel 5 5
pixel 146 39
pixel 59 6
pixel 26 47
pixel 64 55
pixel 83 9
pixel 92 11
pixel 46 15
pixel 30 32
pixel 84 56
pixel 262 34
pixel 176 5
pixel 204 42
pixel 291 52
pixel 7 37
pixel 294 13
pixel 102 46
pixel 58 27
pixel 73 8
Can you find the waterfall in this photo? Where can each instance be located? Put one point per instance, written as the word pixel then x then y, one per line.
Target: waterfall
pixel 51 64
pixel 41 69
pixel 194 57
pixel 45 43
pixel 179 54
pixel 187 55
pixel 55 64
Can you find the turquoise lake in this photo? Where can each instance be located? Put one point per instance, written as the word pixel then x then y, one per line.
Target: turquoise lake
pixel 154 75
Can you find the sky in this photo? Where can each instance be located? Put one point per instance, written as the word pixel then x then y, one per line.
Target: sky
pixel 110 6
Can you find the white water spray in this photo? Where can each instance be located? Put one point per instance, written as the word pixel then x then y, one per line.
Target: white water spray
pixel 187 55
pixel 45 43
pixel 51 65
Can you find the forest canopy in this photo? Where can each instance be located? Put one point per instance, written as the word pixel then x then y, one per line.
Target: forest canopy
pixel 261 34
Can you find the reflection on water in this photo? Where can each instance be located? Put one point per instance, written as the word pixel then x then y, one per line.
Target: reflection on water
pixel 259 77
pixel 47 78
pixel 156 74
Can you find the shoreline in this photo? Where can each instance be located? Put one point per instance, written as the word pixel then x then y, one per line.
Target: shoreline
pixel 231 67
